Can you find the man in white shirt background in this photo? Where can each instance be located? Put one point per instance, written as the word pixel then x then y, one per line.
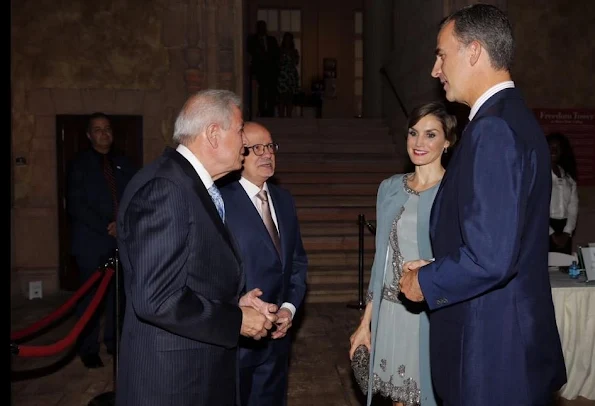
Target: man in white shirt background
pixel 263 220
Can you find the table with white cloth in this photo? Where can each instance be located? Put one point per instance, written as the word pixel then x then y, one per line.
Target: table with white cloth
pixel 574 304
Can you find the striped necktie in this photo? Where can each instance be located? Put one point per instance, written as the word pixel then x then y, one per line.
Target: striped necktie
pixel 218 200
pixel 267 218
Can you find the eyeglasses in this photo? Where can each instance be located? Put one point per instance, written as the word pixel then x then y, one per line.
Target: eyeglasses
pixel 258 149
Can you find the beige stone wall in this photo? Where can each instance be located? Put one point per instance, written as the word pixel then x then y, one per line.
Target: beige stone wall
pixel 121 57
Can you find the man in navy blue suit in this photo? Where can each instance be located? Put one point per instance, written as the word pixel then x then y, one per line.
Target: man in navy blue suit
pixel 96 180
pixel 493 334
pixel 263 220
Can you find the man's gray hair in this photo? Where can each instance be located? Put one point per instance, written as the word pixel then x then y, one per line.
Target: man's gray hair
pixel 206 107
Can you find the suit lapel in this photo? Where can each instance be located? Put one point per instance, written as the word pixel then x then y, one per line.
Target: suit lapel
pixel 205 198
pixel 250 216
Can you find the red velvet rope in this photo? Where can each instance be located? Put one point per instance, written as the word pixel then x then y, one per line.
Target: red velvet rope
pixel 47 320
pixel 61 345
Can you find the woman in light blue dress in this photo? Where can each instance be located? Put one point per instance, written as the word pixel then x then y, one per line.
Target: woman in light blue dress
pixel 394 330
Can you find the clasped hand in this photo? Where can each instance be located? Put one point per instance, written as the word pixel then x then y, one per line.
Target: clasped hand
pixel 409 282
pixel 258 316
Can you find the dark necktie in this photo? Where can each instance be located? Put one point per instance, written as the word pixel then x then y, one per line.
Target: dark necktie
pixel 267 218
pixel 108 171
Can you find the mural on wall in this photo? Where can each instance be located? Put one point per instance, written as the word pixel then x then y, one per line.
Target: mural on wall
pixel 109 44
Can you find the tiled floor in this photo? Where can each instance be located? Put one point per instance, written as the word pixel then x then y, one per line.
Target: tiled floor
pixel 320 373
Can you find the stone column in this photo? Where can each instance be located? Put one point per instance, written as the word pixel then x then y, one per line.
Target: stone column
pixel 377 46
pixel 194 75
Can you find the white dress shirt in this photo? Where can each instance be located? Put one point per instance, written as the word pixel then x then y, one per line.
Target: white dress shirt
pixel 198 167
pixel 564 201
pixel 487 94
pixel 252 190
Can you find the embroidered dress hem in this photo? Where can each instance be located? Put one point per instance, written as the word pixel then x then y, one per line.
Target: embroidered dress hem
pixel 409 393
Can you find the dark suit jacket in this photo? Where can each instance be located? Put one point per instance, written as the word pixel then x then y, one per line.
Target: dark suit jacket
pixel 281 279
pixel 89 204
pixel 182 278
pixel 493 331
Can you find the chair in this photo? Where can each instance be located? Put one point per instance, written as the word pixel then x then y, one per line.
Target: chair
pixel 556 259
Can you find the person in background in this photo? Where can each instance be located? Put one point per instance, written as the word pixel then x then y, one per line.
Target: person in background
pixel 263 220
pixel 96 180
pixel 288 82
pixel 564 200
pixel 393 329
pixel 264 67
pixel 493 333
pixel 183 277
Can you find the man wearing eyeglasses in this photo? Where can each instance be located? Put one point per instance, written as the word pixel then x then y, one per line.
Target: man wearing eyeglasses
pixel 97 177
pixel 263 219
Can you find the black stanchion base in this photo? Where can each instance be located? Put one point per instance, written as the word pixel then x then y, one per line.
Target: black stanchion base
pixel 105 399
pixel 359 306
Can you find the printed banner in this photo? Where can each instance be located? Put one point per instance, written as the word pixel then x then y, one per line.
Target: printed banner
pixel 578 125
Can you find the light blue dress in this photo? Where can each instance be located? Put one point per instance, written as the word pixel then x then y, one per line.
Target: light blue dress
pixel 399 361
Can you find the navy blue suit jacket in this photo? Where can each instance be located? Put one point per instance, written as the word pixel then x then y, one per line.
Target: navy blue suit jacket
pixel 182 278
pixel 493 331
pixel 282 279
pixel 89 204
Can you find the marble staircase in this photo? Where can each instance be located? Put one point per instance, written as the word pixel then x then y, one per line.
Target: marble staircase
pixel 333 168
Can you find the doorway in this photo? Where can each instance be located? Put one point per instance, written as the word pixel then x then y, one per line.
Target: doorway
pixel 71 138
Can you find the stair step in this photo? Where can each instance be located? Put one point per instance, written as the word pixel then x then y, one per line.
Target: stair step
pixel 336 243
pixel 335 201
pixel 335 213
pixel 305 158
pixel 383 147
pixel 322 228
pixel 286 178
pixel 346 259
pixel 334 293
pixel 358 189
pixel 326 275
pixel 319 124
pixel 388 167
pixel 343 136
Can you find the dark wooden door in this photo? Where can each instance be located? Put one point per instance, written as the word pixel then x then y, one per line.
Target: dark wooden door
pixel 71 138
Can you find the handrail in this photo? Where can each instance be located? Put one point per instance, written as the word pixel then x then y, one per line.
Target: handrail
pixel 361 221
pixel 371 226
pixel 394 89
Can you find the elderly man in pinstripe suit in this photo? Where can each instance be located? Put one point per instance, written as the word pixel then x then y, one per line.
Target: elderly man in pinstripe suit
pixel 182 272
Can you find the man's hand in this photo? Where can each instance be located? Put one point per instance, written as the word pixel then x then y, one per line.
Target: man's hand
pixel 283 323
pixel 254 323
pixel 409 283
pixel 111 229
pixel 252 299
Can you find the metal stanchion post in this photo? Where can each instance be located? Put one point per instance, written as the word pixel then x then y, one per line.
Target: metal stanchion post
pixel 109 398
pixel 360 303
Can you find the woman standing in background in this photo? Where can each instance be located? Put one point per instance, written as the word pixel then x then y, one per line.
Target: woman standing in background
pixel 288 82
pixel 564 200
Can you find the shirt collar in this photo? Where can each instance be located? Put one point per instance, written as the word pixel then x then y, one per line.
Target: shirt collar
pixel 487 94
pixel 250 188
pixel 198 167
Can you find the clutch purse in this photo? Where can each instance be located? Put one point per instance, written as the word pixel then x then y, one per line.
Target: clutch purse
pixel 360 364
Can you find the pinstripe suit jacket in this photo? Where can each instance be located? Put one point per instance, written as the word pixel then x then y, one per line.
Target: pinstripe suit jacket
pixel 182 277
